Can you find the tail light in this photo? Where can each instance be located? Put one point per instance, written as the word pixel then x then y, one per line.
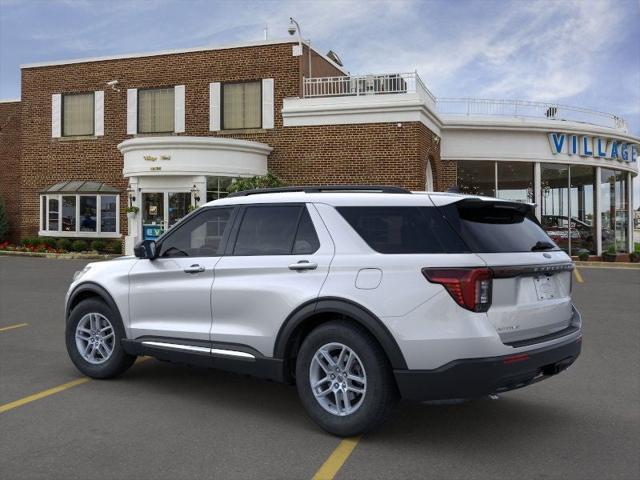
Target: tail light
pixel 469 287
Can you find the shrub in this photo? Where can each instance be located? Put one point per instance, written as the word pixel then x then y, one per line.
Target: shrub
pixel 64 244
pixel 28 241
pixel 260 181
pixel 79 246
pixel 4 222
pixel 98 245
pixel 115 246
pixel 47 242
pixel 583 255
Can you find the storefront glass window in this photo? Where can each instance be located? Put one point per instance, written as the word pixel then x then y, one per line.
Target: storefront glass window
pixel 54 212
pixel 515 181
pixel 217 187
pixel 108 213
pixel 179 204
pixel 69 213
pixel 614 210
pixel 152 215
pixel 477 177
pixel 88 213
pixel 555 203
pixel 583 229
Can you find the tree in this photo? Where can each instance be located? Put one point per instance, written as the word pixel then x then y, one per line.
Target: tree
pixel 4 222
pixel 260 181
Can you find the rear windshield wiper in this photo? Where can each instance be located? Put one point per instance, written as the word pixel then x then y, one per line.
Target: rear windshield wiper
pixel 542 246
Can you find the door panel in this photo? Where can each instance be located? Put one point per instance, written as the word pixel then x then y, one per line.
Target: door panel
pixel 254 294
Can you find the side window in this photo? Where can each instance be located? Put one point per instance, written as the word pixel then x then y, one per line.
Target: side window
pixel 306 239
pixel 200 236
pixel 268 230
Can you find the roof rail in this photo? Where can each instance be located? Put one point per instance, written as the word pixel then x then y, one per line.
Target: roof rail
pixel 323 188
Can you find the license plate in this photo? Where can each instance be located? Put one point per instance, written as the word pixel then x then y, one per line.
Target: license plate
pixel 544 287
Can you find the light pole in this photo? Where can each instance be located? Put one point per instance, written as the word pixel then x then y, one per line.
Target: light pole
pixel 294 27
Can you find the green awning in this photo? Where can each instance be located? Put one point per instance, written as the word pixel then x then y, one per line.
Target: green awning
pixel 81 186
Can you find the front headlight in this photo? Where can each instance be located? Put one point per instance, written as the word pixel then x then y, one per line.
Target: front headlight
pixel 80 273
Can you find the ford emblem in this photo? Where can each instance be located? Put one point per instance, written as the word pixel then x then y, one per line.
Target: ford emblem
pixel 547 255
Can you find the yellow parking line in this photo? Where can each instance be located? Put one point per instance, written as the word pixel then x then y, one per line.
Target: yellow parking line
pixel 60 388
pixel 579 278
pixel 37 396
pixel 335 461
pixel 11 327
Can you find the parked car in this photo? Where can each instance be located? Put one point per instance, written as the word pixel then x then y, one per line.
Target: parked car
pixel 357 295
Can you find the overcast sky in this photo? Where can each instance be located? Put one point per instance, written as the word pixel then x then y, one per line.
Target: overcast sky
pixel 583 52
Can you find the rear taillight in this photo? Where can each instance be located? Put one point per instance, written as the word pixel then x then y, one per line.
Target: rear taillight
pixel 469 287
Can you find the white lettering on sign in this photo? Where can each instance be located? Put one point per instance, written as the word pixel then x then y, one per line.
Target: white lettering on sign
pixel 597 147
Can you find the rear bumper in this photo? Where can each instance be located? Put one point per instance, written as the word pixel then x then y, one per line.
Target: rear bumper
pixel 477 377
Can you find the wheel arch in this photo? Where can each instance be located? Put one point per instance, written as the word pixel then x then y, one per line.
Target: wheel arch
pixel 316 312
pixel 89 290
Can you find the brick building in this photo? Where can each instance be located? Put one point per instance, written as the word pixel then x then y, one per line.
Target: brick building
pixel 166 131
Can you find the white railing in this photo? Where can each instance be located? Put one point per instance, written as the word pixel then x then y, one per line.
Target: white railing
pixel 356 85
pixel 525 108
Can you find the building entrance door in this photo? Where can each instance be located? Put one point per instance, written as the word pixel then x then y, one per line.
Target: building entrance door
pixel 161 211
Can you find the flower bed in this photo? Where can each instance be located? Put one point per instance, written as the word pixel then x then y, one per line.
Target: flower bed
pixel 47 245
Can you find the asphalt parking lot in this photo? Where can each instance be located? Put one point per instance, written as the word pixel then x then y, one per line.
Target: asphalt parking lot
pixel 163 421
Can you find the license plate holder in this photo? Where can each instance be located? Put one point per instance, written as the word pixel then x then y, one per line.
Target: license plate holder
pixel 544 287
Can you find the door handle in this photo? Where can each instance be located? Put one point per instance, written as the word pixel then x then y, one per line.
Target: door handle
pixel 303 265
pixel 194 269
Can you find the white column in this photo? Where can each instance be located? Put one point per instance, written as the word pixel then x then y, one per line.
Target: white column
pixel 630 211
pixel 537 189
pixel 598 214
pixel 133 224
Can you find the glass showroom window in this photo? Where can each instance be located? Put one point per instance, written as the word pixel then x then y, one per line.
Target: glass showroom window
pixel 156 110
pixel 477 177
pixel 68 215
pixel 583 225
pixel 614 210
pixel 241 105
pixel 555 203
pixel 217 187
pixel 515 181
pixel 77 114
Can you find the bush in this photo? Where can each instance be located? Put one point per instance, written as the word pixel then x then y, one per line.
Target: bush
pixel 98 245
pixel 48 242
pixel 28 241
pixel 264 181
pixel 583 255
pixel 4 222
pixel 64 244
pixel 79 246
pixel 115 247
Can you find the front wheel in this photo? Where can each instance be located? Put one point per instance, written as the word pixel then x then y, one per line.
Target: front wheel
pixel 93 337
pixel 344 379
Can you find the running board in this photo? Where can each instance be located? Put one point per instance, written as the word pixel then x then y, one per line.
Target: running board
pixel 234 358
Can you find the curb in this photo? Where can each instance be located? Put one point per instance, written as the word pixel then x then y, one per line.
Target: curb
pixel 61 256
pixel 618 265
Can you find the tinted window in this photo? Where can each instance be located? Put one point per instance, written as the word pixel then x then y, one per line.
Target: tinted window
pixel 199 236
pixel 403 229
pixel 488 227
pixel 306 239
pixel 267 230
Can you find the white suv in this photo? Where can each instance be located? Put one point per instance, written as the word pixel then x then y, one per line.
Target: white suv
pixel 354 294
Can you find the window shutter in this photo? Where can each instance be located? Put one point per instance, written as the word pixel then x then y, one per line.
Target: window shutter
pixel 56 115
pixel 267 103
pixel 214 106
pixel 132 111
pixel 179 108
pixel 98 111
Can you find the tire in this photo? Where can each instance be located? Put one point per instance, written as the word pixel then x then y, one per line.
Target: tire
pixel 95 312
pixel 330 411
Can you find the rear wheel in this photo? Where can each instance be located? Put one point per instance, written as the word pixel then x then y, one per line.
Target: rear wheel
pixel 93 337
pixel 344 379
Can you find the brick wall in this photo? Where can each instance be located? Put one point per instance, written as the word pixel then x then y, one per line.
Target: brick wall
pixel 371 153
pixel 10 163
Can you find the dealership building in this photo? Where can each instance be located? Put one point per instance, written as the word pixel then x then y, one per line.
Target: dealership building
pixel 168 131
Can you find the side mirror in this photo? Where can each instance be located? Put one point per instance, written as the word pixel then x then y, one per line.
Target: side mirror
pixel 145 249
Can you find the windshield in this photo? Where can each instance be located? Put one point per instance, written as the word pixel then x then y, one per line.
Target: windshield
pixel 497 227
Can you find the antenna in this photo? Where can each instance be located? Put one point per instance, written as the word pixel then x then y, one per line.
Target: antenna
pixel 266 32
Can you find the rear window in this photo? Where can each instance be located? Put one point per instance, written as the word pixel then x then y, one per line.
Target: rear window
pixel 403 229
pixel 498 227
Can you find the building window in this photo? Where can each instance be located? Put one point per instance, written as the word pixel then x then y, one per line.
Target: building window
pixel 78 114
pixel 477 177
pixel 217 187
pixel 555 203
pixel 241 105
pixel 156 110
pixel 515 181
pixel 614 209
pixel 76 215
pixel 581 200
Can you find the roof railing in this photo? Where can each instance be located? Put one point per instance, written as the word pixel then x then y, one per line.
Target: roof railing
pixel 323 189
